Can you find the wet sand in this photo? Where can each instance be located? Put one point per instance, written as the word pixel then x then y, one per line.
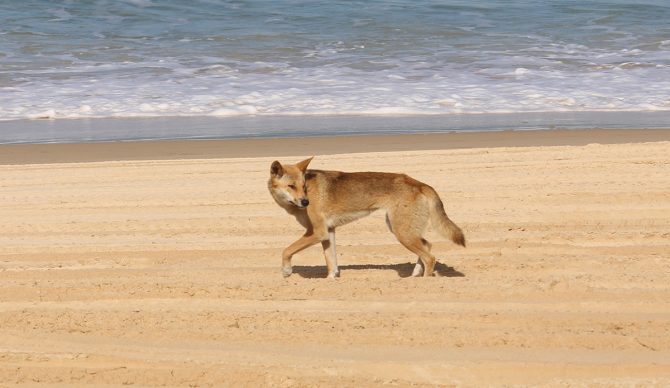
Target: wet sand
pixel 316 145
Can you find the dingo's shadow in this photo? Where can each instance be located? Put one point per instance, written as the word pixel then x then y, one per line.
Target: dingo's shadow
pixel 404 270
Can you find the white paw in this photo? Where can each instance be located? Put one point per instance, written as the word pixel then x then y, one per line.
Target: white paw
pixel 286 271
pixel 334 275
pixel 418 270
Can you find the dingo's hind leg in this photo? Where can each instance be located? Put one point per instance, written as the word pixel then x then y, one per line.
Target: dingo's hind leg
pixel 408 224
pixel 418 268
pixel 415 245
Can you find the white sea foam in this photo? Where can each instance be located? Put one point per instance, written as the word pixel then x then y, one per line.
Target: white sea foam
pixel 135 59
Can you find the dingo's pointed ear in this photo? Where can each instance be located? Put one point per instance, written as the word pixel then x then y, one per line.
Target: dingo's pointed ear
pixel 303 165
pixel 276 169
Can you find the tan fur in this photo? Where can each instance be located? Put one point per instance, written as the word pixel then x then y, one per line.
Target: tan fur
pixel 337 198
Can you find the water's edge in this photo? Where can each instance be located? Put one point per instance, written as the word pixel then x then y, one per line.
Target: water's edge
pixel 210 128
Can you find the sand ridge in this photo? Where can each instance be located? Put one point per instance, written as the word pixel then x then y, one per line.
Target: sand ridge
pixel 167 272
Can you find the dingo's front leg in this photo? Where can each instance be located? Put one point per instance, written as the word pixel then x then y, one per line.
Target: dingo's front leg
pixel 303 242
pixel 330 254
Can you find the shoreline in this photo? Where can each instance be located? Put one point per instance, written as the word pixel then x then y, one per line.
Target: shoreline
pixel 92 130
pixel 45 153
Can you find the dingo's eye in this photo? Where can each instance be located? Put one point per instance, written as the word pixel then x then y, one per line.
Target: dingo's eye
pixel 292 187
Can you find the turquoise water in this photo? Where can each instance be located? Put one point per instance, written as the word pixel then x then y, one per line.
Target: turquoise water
pixel 142 58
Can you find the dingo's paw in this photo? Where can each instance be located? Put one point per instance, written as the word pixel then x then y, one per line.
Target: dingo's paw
pixel 418 270
pixel 286 271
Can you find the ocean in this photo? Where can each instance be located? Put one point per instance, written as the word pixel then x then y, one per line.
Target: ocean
pixel 254 60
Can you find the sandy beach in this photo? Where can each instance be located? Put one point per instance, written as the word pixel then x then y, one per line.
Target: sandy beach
pixel 158 263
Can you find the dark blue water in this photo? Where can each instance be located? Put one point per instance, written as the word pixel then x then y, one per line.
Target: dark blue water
pixel 144 58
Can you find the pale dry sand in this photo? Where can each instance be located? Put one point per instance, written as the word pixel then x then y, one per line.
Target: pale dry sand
pixel 167 272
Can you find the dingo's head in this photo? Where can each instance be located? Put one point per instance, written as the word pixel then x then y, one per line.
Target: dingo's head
pixel 287 183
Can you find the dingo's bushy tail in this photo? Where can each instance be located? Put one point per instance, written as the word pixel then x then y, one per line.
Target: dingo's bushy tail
pixel 441 222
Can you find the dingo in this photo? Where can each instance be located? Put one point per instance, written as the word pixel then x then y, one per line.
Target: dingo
pixel 323 200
